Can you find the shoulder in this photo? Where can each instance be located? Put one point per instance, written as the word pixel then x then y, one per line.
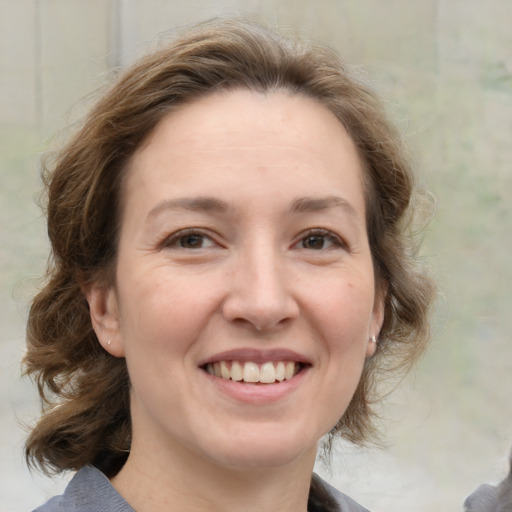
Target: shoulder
pixel 325 498
pixel 485 498
pixel 489 498
pixel 89 491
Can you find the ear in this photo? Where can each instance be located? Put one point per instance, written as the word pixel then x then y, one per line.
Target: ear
pixel 377 318
pixel 104 310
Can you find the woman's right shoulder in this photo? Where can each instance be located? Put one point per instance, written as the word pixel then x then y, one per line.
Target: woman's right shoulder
pixel 88 491
pixel 55 504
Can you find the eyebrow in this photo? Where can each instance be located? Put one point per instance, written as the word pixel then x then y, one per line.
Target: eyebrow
pixel 319 204
pixel 212 204
pixel 193 204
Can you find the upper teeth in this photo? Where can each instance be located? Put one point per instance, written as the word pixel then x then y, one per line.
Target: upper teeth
pixel 266 373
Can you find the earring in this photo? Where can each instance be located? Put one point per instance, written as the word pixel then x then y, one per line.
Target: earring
pixel 109 342
pixel 373 339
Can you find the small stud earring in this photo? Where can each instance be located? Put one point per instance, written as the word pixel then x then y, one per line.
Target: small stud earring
pixel 109 342
pixel 373 339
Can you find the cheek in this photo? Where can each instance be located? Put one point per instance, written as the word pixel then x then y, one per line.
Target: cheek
pixel 344 312
pixel 344 319
pixel 157 332
pixel 162 313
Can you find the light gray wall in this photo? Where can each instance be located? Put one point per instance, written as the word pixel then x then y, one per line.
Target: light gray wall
pixel 445 67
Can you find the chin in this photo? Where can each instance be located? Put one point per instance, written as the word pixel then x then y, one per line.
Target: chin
pixel 270 458
pixel 264 449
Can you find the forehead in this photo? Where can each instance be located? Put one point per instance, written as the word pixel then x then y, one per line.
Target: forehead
pixel 226 134
pixel 222 112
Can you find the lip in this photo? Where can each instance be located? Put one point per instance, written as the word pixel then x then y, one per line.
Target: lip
pixel 257 394
pixel 257 356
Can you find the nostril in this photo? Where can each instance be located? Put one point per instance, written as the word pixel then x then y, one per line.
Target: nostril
pixel 260 323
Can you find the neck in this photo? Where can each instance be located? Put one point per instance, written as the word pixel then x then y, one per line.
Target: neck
pixel 151 481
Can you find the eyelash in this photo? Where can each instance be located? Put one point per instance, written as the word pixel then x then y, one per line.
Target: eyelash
pixel 327 235
pixel 174 240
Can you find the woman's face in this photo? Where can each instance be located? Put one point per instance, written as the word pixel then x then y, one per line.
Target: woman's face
pixel 243 252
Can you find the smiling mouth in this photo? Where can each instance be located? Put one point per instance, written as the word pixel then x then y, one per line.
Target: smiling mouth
pixel 251 372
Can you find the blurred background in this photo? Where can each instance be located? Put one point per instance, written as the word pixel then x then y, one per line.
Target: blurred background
pixel 445 69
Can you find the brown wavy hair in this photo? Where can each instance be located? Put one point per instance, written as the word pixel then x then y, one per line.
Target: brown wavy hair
pixel 84 390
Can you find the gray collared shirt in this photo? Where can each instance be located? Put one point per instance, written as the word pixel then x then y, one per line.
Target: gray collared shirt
pixel 91 491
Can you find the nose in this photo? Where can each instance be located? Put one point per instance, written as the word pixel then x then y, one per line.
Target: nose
pixel 259 294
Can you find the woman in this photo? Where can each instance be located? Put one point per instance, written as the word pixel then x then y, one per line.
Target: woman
pixel 232 268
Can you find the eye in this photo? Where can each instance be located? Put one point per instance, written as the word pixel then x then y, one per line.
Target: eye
pixel 189 239
pixel 318 239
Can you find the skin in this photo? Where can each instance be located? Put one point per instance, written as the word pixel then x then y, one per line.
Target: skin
pixel 238 271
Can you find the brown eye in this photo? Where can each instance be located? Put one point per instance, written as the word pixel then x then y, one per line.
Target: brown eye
pixel 193 241
pixel 318 240
pixel 185 239
pixel 313 242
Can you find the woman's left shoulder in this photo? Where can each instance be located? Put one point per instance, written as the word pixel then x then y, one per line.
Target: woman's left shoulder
pixel 323 497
